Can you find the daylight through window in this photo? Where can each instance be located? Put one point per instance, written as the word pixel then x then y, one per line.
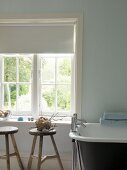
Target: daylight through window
pixel 46 78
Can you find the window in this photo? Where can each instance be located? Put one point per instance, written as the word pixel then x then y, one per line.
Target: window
pixel 37 82
pixel 40 65
pixel 16 83
pixel 55 83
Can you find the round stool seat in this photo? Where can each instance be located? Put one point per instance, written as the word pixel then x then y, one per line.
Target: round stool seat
pixel 8 130
pixel 36 132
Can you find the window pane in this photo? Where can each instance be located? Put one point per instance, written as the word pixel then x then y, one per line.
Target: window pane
pixel 10 69
pixel 10 96
pixel 48 98
pixel 64 70
pixel 25 68
pixel 24 99
pixel 63 98
pixel 48 70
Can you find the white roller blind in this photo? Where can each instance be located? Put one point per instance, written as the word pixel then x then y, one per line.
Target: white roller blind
pixel 37 38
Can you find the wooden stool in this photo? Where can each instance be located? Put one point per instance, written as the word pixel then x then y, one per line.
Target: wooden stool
pixel 41 159
pixel 10 130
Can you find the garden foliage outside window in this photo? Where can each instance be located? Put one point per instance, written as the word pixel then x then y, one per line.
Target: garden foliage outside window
pixel 49 76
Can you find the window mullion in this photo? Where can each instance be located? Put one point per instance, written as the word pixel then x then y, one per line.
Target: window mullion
pixel 17 83
pixel 55 84
pixel 38 81
pixel 35 84
pixel 73 85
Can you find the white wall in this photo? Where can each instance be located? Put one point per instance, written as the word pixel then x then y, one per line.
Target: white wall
pixel 104 49
pixel 32 7
pixel 105 58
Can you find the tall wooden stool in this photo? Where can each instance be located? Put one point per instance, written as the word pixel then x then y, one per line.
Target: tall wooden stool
pixel 41 158
pixel 10 130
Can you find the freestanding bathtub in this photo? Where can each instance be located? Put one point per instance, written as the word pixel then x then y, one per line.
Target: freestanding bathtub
pixel 101 147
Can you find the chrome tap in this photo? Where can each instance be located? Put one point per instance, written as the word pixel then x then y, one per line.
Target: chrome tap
pixel 75 122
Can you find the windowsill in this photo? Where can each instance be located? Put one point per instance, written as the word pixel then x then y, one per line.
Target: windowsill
pixel 57 120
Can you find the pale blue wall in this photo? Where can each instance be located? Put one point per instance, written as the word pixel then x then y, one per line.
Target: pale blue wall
pixel 104 49
pixel 39 6
pixel 105 57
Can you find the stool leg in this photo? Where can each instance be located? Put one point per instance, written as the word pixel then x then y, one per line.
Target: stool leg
pixel 57 153
pixel 32 152
pixel 17 152
pixel 40 153
pixel 7 151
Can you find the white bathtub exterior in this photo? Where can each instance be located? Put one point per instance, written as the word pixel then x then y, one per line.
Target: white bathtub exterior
pixel 95 132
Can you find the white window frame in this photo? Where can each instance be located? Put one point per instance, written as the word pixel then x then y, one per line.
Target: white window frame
pixel 36 83
pixel 76 19
pixel 39 83
pixel 16 82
